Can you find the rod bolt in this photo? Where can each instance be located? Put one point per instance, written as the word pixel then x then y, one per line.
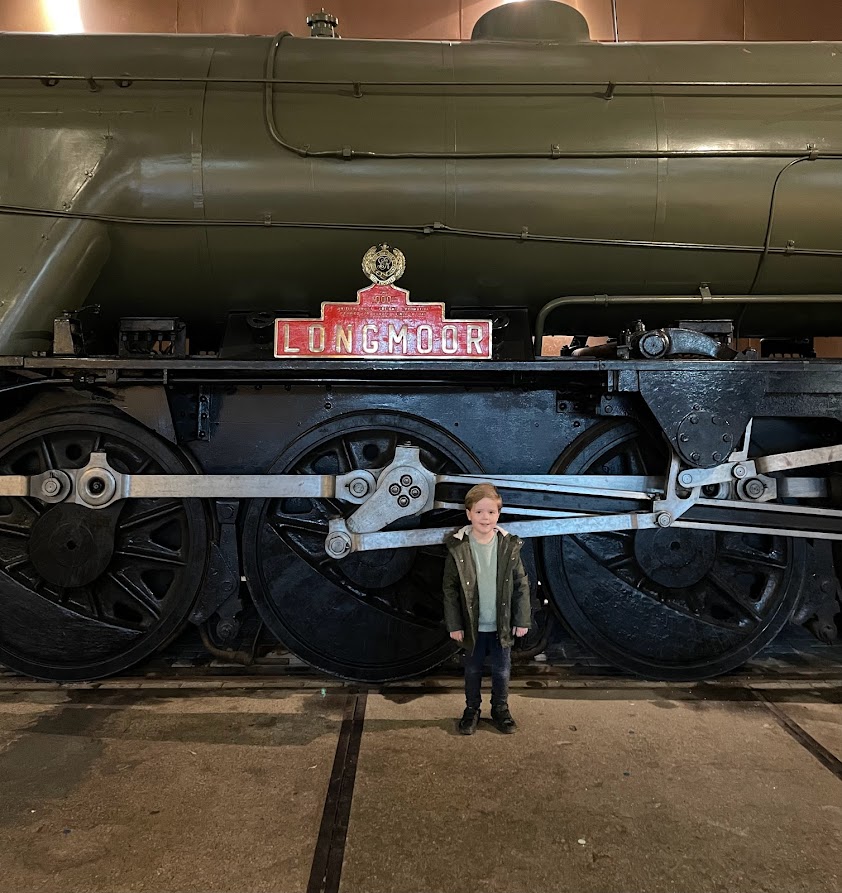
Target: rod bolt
pixel 740 471
pixel 395 489
pixel 406 480
pixel 415 492
pixel 338 545
pixel 664 519
pixel 685 478
pixel 50 487
pixel 654 344
pixel 358 487
pixel 403 501
pixel 226 629
pixel 755 488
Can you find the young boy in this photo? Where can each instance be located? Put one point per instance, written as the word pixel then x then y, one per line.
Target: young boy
pixel 486 603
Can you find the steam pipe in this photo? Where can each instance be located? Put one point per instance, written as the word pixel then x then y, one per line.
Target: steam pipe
pixel 614 300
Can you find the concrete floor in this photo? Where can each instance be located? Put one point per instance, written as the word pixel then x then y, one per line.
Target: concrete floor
pixel 609 786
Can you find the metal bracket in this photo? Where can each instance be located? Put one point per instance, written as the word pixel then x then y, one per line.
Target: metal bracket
pixel 66 336
pixel 221 584
pixel 404 488
pixel 203 425
pixel 762 465
pixel 721 401
pixel 821 596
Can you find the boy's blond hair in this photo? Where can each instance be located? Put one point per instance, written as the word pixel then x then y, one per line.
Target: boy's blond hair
pixel 482 491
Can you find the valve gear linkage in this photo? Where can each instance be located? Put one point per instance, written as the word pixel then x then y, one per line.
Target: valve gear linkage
pixel 738 495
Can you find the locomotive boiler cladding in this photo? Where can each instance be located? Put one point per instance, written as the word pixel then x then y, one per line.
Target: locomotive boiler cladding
pixel 183 219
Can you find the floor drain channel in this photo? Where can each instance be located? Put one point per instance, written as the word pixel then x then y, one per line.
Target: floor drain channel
pixel 333 831
pixel 807 741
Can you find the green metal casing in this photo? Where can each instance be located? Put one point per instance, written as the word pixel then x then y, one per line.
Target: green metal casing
pixel 197 161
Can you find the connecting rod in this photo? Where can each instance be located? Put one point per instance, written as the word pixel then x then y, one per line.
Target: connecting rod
pixel 745 501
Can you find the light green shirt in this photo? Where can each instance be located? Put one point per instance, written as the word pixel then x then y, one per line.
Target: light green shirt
pixel 485 562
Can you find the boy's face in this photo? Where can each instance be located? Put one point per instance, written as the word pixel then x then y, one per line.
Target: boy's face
pixel 484 516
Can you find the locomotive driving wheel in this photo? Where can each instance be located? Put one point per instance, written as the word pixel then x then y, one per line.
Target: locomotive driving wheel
pixel 669 603
pixel 85 593
pixel 373 616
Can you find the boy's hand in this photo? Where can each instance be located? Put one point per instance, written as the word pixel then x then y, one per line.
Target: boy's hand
pixel 520 630
pixel 458 635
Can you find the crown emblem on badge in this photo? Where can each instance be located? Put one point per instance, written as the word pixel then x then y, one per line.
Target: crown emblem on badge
pixel 383 264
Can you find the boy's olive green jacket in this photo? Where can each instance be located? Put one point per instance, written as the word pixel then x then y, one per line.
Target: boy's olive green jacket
pixel 461 596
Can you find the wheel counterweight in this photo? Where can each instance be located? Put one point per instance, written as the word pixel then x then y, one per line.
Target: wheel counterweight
pixel 87 593
pixel 670 603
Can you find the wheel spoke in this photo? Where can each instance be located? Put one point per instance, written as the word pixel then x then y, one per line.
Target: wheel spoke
pixel 88 596
pixel 46 454
pixel 283 523
pixel 594 545
pixel 329 509
pixel 619 562
pixel 152 554
pixel 57 593
pixel 636 463
pixel 732 595
pixel 139 593
pixel 36 508
pixel 624 535
pixel 158 512
pixel 346 454
pixel 16 563
pixel 144 466
pixel 752 558
pixel 14 529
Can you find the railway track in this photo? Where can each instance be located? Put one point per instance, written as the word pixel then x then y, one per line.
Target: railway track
pixel 793 659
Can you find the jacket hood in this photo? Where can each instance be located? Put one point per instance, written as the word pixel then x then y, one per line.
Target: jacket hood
pixel 459 536
pixel 463 532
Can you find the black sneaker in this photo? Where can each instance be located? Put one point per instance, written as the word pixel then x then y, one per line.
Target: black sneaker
pixel 468 723
pixel 501 718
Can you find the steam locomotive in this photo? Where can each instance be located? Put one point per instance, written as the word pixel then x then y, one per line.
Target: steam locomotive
pixel 206 419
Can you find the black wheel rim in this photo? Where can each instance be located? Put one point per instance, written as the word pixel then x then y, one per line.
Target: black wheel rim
pixel 541 627
pixel 88 593
pixel 371 617
pixel 671 604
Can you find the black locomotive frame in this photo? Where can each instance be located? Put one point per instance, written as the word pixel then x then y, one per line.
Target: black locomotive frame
pixel 499 417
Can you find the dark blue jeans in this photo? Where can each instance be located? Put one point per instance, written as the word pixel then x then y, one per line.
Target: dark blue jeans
pixel 501 670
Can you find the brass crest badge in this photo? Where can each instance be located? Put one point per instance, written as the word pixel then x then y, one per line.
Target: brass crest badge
pixel 383 264
pixel 383 323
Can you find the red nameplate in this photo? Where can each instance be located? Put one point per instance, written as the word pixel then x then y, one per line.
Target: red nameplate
pixel 382 323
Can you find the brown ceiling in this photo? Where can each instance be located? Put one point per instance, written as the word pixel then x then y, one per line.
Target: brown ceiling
pixel 442 19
